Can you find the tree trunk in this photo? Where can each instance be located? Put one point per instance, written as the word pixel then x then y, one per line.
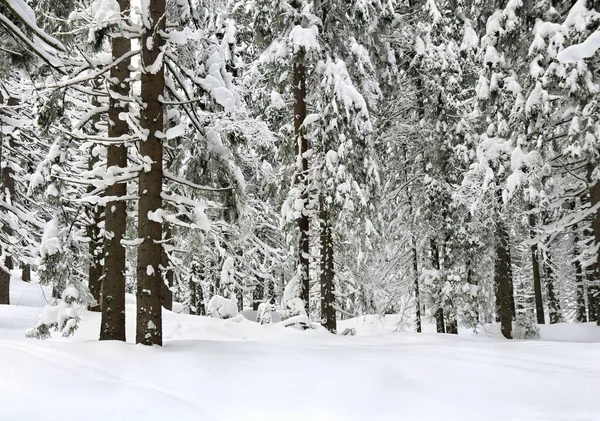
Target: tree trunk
pixel 439 312
pixel 299 90
pixel 328 317
pixel 439 321
pixel 580 314
pixel 96 268
pixel 258 295
pixel 149 311
pixel 594 200
pixel 553 302
pixel 502 278
pixel 169 274
pixel 26 273
pixel 537 280
pixel 592 291
pixel 8 193
pixel 416 288
pixel 511 288
pixel 113 285
pixel 451 323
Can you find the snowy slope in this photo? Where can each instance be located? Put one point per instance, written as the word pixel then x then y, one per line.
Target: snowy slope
pixel 238 370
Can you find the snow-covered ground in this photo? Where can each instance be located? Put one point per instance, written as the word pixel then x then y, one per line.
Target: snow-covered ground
pixel 238 370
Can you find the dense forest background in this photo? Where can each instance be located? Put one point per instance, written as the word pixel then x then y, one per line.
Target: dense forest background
pixel 325 159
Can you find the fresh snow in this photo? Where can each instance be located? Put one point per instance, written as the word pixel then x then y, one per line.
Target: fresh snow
pixel 211 369
pixel 580 51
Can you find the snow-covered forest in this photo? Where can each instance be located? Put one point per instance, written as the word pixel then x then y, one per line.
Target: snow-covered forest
pixel 362 200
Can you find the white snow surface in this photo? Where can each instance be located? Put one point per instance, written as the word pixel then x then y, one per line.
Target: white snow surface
pixel 580 51
pixel 211 369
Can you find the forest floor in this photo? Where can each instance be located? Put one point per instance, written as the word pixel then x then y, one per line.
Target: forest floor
pixel 234 370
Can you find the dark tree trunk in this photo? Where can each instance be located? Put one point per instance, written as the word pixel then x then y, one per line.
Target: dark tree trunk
pixel 299 90
pixel 592 291
pixel 452 324
pixel 439 312
pixel 439 321
pixel 511 288
pixel 537 280
pixel 95 269
pixel 169 274
pixel 26 273
pixel 149 279
pixel 240 298
pixel 472 281
pixel 200 307
pixel 258 295
pixel 271 292
pixel 502 278
pixel 553 302
pixel 416 288
pixel 594 200
pixel 328 317
pixel 8 193
pixel 113 284
pixel 580 314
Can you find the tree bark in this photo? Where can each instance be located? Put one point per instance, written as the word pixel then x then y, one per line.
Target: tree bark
pixel 113 285
pixel 580 314
pixel 416 288
pixel 592 292
pixel 95 269
pixel 553 302
pixel 299 91
pixel 537 280
pixel 328 316
pixel 196 293
pixel 594 201
pixel 8 193
pixel 452 324
pixel 258 295
pixel 149 306
pixel 439 312
pixel 169 274
pixel 502 278
pixel 95 250
pixel 26 273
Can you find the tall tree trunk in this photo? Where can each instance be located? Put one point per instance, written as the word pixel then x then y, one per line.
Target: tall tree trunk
pixel 299 90
pixel 8 193
pixel 502 278
pixel 439 312
pixel 26 272
pixel 416 287
pixel 594 200
pixel 328 318
pixel 258 295
pixel 537 280
pixel 580 314
pixel 451 323
pixel 149 279
pixel 511 288
pixel 169 274
pixel 113 285
pixel 553 302
pixel 96 268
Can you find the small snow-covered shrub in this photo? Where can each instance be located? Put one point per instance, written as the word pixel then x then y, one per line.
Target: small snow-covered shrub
pixel 62 317
pixel 222 308
pixel 265 313
pixel 525 327
pixel 295 307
